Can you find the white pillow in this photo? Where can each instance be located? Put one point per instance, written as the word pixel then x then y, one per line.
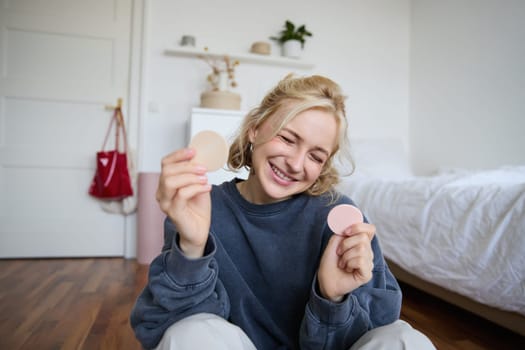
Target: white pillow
pixel 379 158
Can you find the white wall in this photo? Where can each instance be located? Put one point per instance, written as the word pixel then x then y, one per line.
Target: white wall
pixel 363 45
pixel 467 84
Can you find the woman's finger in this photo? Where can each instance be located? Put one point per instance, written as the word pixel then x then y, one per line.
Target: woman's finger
pixel 369 229
pixel 353 240
pixel 178 156
pixel 171 185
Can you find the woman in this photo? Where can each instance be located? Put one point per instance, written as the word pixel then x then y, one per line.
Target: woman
pixel 252 264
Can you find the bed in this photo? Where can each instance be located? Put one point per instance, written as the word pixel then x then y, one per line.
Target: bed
pixel 459 234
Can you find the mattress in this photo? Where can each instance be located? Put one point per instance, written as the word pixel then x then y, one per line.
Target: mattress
pixel 462 230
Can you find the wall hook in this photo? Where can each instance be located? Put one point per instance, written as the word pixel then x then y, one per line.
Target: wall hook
pixel 119 105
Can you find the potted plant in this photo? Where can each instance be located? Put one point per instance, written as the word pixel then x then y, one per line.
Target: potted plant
pixel 292 39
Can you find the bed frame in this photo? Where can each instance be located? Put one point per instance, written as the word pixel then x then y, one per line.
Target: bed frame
pixel 510 320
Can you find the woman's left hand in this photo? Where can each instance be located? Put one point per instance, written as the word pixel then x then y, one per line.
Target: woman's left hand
pixel 347 262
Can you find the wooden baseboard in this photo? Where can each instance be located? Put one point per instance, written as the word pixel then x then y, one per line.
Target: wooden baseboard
pixel 510 320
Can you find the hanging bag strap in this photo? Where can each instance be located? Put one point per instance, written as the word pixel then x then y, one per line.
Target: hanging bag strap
pixel 120 128
pixel 111 122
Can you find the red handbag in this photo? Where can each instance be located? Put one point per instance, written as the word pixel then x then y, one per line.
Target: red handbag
pixel 112 180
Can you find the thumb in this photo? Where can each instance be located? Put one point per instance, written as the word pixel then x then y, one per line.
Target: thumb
pixel 330 252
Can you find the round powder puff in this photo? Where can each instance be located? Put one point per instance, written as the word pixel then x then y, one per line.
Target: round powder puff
pixel 342 216
pixel 211 149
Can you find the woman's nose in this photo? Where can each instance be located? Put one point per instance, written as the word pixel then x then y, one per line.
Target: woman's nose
pixel 295 161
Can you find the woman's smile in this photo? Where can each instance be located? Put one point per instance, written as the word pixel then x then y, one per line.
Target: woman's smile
pixel 280 176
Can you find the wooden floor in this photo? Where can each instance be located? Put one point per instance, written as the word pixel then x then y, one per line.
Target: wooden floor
pixel 85 304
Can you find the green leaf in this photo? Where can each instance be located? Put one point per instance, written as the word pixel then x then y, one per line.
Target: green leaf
pixel 290 32
pixel 290 26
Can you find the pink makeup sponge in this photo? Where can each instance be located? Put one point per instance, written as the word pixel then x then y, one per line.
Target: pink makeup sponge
pixel 342 216
pixel 211 149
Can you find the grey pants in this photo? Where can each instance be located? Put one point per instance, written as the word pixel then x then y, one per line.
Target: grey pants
pixel 207 331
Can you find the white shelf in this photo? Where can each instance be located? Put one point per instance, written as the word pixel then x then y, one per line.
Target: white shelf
pixel 242 57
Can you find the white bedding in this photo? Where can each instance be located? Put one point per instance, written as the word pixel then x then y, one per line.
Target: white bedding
pixel 462 230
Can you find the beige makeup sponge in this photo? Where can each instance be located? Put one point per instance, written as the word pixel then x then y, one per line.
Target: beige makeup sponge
pixel 211 149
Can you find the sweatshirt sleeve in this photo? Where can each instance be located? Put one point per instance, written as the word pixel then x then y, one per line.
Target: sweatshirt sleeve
pixel 177 287
pixel 330 325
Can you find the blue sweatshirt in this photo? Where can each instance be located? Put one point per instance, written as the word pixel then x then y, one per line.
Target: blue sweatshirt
pixel 259 272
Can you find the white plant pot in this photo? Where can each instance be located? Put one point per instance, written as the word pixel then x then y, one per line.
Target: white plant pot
pixel 292 49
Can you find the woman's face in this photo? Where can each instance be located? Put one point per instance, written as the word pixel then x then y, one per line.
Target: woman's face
pixel 291 161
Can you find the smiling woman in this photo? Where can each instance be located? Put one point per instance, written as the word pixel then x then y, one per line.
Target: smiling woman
pixel 318 96
pixel 285 280
pixel 291 161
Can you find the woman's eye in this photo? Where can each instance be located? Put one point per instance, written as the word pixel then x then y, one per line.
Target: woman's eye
pixel 317 159
pixel 286 139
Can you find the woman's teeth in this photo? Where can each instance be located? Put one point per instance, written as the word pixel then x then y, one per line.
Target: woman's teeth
pixel 280 174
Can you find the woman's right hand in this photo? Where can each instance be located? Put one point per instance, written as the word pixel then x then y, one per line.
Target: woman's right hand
pixel 184 195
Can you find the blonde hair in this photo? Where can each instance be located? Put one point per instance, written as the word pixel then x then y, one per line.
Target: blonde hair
pixel 290 97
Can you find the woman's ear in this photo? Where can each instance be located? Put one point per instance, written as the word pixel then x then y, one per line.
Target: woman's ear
pixel 252 134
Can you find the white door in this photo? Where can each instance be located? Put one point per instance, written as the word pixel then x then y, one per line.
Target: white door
pixel 61 62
